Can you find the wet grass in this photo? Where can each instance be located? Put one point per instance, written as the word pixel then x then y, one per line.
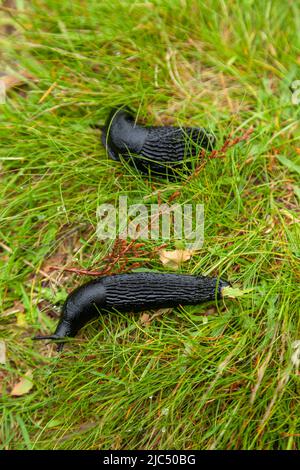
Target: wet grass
pixel 210 377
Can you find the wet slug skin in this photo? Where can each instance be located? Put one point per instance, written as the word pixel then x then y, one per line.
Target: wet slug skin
pixel 134 292
pixel 159 149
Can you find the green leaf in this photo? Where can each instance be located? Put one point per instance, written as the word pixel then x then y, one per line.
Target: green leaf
pixel 53 423
pixel 289 163
pixel 233 292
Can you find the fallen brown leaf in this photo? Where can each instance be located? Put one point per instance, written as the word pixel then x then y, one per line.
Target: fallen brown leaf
pixel 174 259
pixel 12 81
pixel 145 319
pixel 160 312
pixel 24 385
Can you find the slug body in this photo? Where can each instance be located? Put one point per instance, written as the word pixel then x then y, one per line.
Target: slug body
pixel 160 149
pixel 133 292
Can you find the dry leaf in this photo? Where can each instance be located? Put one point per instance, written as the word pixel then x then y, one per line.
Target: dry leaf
pixel 12 81
pixel 2 352
pixel 160 312
pixel 19 306
pixel 145 319
pixel 174 259
pixel 24 386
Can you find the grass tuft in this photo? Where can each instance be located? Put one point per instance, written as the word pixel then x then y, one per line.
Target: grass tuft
pixel 207 377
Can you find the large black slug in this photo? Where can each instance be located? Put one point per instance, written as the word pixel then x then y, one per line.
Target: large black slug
pixel 160 149
pixel 132 292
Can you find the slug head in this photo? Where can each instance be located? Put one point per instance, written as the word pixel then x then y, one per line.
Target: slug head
pixel 81 306
pixel 121 134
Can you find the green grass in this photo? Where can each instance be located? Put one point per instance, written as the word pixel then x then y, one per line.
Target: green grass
pixel 187 381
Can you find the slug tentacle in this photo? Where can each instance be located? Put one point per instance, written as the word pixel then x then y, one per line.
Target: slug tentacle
pixel 132 292
pixel 40 337
pixel 160 149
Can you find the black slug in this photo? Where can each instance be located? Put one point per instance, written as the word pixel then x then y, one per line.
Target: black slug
pixel 132 292
pixel 160 149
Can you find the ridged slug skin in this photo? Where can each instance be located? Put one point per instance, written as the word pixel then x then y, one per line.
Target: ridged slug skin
pixel 133 292
pixel 161 149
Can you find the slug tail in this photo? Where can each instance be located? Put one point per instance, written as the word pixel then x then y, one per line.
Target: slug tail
pixel 52 337
pixel 38 337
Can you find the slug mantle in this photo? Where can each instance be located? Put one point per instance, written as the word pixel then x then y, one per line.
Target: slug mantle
pixel 159 149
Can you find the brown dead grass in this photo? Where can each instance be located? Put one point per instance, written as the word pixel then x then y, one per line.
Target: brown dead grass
pixel 199 86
